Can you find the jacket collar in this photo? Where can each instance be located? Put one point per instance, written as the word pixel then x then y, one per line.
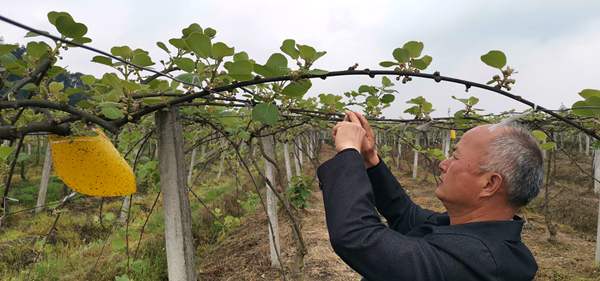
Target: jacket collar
pixel 495 230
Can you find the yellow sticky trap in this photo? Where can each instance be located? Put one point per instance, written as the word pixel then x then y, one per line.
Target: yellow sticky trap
pixel 91 165
pixel 452 134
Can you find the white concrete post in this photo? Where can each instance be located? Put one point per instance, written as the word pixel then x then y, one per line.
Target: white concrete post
pixel 416 159
pixel 597 190
pixel 191 167
pixel 288 164
pixel 178 218
pixel 41 198
pixel 268 145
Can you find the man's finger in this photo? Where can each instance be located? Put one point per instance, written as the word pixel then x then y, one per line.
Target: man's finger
pixel 353 118
pixel 364 123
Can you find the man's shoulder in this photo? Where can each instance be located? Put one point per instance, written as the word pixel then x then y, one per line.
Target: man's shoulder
pixel 493 248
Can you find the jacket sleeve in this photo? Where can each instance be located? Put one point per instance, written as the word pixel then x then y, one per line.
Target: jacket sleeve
pixel 359 237
pixel 391 200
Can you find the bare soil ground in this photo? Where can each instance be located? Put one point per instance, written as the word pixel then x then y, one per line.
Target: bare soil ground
pixel 244 254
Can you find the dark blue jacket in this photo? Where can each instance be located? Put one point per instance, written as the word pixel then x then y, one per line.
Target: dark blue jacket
pixel 417 244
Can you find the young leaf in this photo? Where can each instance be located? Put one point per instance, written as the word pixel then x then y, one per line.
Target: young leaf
pixel 297 89
pixel 265 113
pixel 69 28
pixel 401 55
pixel 495 59
pixel 199 44
pixel 414 48
pixel 422 63
pixel 240 70
pixel 121 51
pixel 185 64
pixel 289 48
pixel 387 98
pixel 387 63
pixel 163 46
pixel 102 60
pixel 221 50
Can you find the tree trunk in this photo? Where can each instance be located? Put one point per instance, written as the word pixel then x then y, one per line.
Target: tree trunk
pixel 45 179
pixel 177 213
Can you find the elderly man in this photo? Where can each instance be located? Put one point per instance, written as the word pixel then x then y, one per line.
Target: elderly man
pixel 494 170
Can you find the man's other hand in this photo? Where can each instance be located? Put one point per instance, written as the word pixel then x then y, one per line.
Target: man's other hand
pixel 369 148
pixel 349 134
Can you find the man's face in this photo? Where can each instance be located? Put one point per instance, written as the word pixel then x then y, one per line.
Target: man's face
pixel 462 180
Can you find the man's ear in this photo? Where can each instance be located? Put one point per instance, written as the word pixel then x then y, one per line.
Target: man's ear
pixel 493 184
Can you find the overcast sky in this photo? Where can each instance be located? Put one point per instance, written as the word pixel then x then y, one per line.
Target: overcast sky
pixel 554 45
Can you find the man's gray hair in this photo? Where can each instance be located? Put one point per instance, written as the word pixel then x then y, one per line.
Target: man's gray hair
pixel 516 155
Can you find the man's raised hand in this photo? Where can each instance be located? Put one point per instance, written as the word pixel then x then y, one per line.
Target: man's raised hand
pixel 369 149
pixel 349 133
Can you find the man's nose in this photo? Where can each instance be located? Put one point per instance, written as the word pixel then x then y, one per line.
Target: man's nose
pixel 443 165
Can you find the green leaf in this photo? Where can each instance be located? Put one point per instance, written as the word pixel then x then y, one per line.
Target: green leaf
pixel 55 71
pixel 289 47
pixel 199 44
pixel 276 66
pixel 37 49
pixel 80 40
pixel 239 70
pixel 69 28
pixel 297 89
pixel 56 87
pixel 185 64
pixel 88 79
pixel 194 27
pixel 5 152
pixel 30 87
pixel 422 63
pixel 586 93
pixel 33 34
pixel 414 48
pixel 102 60
pixel 472 101
pixel 401 55
pixel 387 98
pixel 367 89
pixel 495 59
pixel 7 48
pixel 53 15
pixel 265 113
pixel 372 101
pixel 221 50
pixel 387 63
pixel 163 46
pixel 386 82
pixel 122 51
pixel 317 72
pixel 307 53
pixel 587 108
pixel 110 111
pixel 548 146
pixel 210 32
pixel 142 59
pixel 240 56
pixel 189 78
pixel 539 135
pixel 179 44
